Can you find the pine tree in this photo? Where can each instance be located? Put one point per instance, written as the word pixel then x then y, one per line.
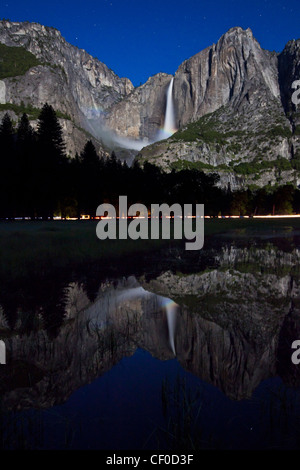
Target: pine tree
pixel 51 161
pixel 6 133
pixel 89 156
pixel 50 132
pixel 24 130
pixel 26 168
pixel 7 168
pixel 90 181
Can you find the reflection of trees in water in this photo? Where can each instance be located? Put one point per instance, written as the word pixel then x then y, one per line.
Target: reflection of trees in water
pixel 41 291
pixel 29 297
pixel 9 304
pixel 53 307
pixel 26 302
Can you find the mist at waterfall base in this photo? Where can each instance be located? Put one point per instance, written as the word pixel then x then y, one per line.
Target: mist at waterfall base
pixel 113 140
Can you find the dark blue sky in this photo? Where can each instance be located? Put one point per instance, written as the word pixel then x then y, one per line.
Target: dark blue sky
pixel 138 38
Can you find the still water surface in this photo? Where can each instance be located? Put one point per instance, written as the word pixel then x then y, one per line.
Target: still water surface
pixel 188 352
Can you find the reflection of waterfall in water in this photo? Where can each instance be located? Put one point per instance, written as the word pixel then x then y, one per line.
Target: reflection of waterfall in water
pixel 171 312
pixel 168 305
pixel 102 311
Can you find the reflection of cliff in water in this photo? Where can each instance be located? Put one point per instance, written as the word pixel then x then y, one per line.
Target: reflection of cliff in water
pixel 240 319
pixel 233 328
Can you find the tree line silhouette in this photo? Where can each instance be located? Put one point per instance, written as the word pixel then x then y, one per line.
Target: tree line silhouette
pixel 39 180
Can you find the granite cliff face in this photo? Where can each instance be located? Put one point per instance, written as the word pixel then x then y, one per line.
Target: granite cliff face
pixel 140 115
pixel 72 81
pixel 234 109
pixel 88 84
pixel 235 70
pixel 289 71
pixel 232 104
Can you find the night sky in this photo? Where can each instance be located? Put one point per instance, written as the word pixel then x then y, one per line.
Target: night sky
pixel 138 38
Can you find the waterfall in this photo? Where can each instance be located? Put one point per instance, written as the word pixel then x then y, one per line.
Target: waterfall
pixel 169 124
